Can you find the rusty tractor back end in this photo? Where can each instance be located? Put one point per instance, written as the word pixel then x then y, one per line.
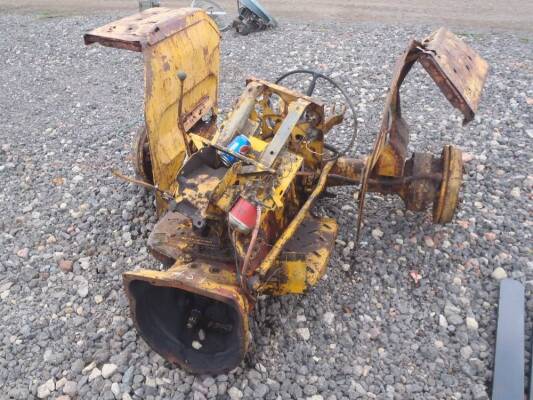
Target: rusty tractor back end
pixel 235 199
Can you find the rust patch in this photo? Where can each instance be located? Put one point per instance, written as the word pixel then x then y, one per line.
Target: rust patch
pixel 460 74
pixel 138 31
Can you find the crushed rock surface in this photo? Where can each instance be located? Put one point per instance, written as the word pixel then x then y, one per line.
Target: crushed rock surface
pixel 68 228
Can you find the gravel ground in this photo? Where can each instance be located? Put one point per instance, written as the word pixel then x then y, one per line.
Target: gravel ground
pixel 69 229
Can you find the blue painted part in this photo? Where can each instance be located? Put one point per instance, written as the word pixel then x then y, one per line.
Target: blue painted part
pixel 239 144
pixel 260 11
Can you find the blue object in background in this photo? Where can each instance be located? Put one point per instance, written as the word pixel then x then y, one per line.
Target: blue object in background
pixel 508 377
pixel 256 7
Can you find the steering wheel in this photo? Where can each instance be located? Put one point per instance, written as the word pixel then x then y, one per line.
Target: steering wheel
pixel 309 92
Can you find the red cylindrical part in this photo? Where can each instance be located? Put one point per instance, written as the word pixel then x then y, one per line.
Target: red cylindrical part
pixel 242 216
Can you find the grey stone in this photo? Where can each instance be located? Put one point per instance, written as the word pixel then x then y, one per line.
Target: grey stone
pixel 260 390
pixel 466 352
pixel 79 108
pixel 70 388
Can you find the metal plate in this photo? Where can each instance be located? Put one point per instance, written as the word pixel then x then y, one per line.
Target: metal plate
pixel 174 237
pixel 140 30
pixel 508 379
pixel 457 69
pixel 296 109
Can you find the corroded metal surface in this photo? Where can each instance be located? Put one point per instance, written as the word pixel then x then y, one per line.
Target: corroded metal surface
pixel 142 30
pixel 161 303
pixel 448 196
pixel 174 237
pixel 460 74
pixel 295 223
pixel 312 244
pixel 240 114
pixel 182 40
pixel 195 314
pixel 456 68
pixel 142 163
pixel 278 142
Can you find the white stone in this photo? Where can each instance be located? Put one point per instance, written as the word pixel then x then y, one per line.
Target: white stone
pixel 471 323
pixel 515 192
pixel 301 318
pixel 50 384
pixel 234 393
pixel 88 367
pixel 75 214
pixel 467 157
pixel 201 335
pixel 5 286
pixel 196 345
pixel 84 262
pixel 98 299
pixel 377 233
pixel 60 383
pixel 108 370
pixel 115 388
pixel 499 274
pixel 466 352
pixel 304 333
pixel 150 381
pixel 328 318
pixel 43 392
pixel 83 290
pixel 46 389
pixel 95 373
pixel 442 321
